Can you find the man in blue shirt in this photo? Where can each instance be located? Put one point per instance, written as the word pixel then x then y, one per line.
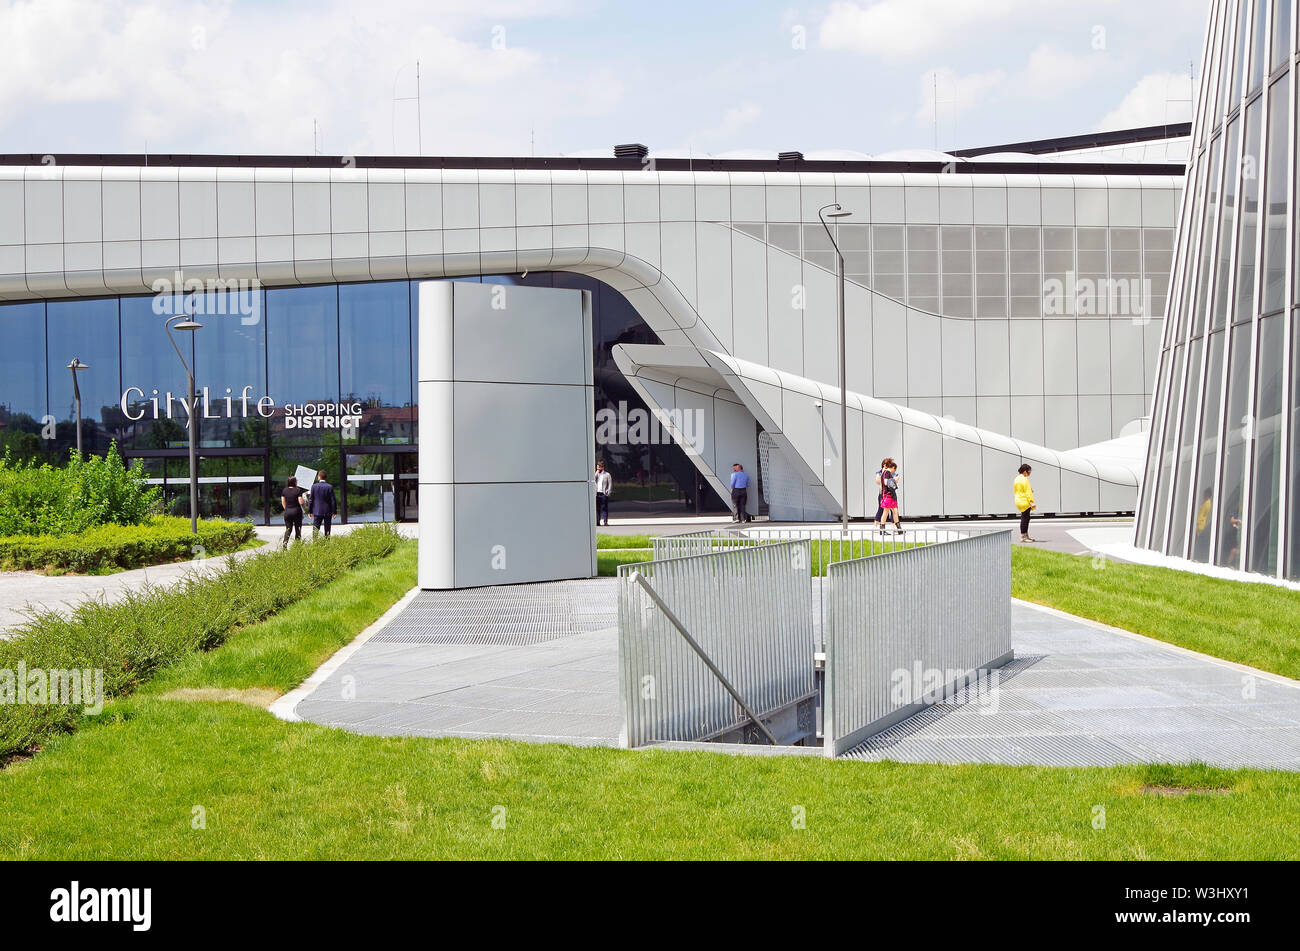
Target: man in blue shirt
pixel 740 493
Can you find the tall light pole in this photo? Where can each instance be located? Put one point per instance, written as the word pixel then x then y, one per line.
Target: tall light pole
pixel 185 323
pixel 844 385
pixel 74 366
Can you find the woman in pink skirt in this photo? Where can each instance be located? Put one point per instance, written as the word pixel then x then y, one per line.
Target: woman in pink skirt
pixel 887 479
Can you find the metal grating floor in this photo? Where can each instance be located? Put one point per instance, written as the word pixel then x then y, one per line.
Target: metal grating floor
pixel 516 616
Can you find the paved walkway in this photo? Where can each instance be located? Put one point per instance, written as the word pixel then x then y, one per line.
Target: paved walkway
pixel 531 662
pixel 538 662
pixel 21 588
pixel 1082 694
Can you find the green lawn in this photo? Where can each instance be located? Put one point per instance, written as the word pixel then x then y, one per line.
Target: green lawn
pixel 608 560
pixel 137 780
pixel 1254 624
pixel 605 541
pixel 133 786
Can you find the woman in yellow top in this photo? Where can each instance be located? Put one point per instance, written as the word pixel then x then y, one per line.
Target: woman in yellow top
pixel 1024 501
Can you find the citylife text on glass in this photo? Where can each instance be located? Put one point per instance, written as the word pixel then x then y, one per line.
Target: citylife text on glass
pixel 323 415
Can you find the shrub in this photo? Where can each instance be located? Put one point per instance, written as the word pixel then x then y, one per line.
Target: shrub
pixel 133 638
pixel 45 500
pixel 114 547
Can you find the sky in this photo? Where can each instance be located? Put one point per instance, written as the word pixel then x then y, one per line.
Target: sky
pixel 565 77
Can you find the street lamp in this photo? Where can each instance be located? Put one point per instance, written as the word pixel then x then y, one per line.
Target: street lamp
pixel 185 323
pixel 74 366
pixel 844 390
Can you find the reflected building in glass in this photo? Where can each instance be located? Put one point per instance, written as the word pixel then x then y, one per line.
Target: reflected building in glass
pixel 1221 485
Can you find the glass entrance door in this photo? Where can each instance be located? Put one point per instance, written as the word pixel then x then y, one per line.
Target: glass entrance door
pixel 407 496
pixel 370 487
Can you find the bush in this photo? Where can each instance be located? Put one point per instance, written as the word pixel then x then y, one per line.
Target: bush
pixel 132 639
pixel 45 500
pixel 114 547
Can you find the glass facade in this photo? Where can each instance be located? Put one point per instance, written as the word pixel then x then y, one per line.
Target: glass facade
pixel 263 364
pixel 1222 486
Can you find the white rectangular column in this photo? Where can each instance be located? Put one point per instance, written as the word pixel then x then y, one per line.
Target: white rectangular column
pixel 506 435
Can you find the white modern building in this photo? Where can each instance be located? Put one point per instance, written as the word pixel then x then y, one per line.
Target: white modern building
pixel 1002 305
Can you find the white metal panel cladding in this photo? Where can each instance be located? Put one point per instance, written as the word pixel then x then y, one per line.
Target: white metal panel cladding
pixel 896 618
pixel 748 609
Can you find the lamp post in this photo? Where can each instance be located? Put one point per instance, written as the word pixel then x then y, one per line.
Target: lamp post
pixel 838 212
pixel 184 322
pixel 74 366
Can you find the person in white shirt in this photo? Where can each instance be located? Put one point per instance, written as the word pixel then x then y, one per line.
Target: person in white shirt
pixel 604 488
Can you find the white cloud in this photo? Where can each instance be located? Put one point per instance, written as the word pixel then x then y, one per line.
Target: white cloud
pixel 737 118
pixel 1052 71
pixel 900 28
pixel 956 93
pixel 1155 100
pixel 251 77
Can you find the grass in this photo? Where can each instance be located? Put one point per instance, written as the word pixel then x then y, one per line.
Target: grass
pixel 131 787
pixel 1253 624
pixel 98 572
pixel 165 778
pixel 138 636
pixel 608 560
pixel 281 652
pixel 604 541
pixel 110 548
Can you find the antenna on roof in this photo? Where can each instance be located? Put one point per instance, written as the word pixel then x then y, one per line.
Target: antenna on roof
pixel 419 116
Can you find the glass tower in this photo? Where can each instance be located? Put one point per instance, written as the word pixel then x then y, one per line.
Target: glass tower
pixel 1221 484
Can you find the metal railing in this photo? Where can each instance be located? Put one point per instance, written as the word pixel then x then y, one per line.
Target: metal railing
pixel 909 627
pixel 828 544
pixel 831 544
pixel 711 642
pixel 698 543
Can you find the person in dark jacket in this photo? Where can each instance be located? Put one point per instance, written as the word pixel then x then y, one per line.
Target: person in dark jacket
pixel 324 507
pixel 291 500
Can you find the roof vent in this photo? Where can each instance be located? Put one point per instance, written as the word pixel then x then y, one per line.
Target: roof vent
pixel 789 156
pixel 634 150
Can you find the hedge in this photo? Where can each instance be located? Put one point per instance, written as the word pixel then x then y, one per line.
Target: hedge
pixel 69 499
pixel 114 547
pixel 146 630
